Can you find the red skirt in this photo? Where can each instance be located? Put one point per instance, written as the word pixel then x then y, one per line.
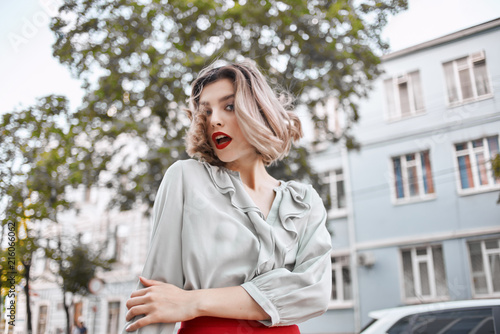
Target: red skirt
pixel 212 325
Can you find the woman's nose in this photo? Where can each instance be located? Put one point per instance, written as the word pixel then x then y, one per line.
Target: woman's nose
pixel 216 119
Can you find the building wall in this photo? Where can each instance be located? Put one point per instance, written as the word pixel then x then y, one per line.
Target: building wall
pixel 382 226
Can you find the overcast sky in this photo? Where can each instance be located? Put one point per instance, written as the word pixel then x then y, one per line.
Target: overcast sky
pixel 28 70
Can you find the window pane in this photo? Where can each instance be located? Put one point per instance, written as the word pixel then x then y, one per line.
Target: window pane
pixel 424 279
pixel 466 321
pixel 495 271
pixel 477 143
pixel 346 276
pixel 408 275
pixel 465 84
pixel 491 244
pixel 478 274
pixel 481 169
pixel 413 181
pixel 389 94
pixel 340 195
pixel 493 145
pixel 427 173
pixel 334 285
pixel 465 172
pixel 404 99
pixel 439 271
pixel 113 317
pixel 422 251
pixel 402 326
pixel 450 82
pixel 481 78
pixel 398 178
pixel 493 148
pixel 417 90
pixel 461 147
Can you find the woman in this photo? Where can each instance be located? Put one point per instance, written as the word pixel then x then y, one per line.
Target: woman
pixel 234 250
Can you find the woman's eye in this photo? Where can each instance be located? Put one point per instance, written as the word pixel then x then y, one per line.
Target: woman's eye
pixel 208 112
pixel 230 107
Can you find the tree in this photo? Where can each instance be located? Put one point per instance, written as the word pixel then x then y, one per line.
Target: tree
pixel 42 156
pixel 20 244
pixel 76 266
pixel 146 53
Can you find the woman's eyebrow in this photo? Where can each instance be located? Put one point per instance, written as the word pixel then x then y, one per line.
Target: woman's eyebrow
pixel 222 99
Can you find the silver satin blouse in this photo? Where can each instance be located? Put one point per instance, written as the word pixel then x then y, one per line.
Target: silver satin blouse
pixel 208 233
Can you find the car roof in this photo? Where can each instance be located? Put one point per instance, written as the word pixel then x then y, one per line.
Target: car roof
pixel 422 308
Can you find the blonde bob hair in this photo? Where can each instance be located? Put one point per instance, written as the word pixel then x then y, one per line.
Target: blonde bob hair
pixel 265 118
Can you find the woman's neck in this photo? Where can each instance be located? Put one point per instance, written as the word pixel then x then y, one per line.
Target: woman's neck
pixel 253 173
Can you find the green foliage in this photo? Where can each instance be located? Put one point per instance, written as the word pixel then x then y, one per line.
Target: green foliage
pixel 76 265
pixel 146 53
pixel 43 154
pixel 495 166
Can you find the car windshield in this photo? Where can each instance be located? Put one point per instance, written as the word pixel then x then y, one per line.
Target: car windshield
pixel 465 321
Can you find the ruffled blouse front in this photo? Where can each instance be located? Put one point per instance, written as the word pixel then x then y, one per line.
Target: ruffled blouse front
pixel 208 233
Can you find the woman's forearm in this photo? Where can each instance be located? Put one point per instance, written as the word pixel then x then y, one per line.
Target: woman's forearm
pixel 231 302
pixel 161 302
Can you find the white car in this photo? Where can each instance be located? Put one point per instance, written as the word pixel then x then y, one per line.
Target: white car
pixel 456 317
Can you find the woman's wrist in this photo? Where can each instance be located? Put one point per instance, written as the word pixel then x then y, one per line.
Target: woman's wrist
pixel 200 307
pixel 230 302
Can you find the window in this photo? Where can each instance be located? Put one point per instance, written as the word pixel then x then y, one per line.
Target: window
pixel 334 197
pixel 485 266
pixel 42 319
pixel 466 78
pixel 478 320
pixel 330 123
pixel 404 96
pixel 412 176
pixel 341 280
pixel 474 163
pixel 113 317
pixel 424 275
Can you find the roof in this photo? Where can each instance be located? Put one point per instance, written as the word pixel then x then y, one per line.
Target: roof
pixel 421 308
pixel 444 39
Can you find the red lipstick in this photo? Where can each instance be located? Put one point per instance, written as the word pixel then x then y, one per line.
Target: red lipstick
pixel 221 140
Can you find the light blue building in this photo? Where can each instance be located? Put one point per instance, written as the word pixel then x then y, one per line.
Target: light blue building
pixel 415 217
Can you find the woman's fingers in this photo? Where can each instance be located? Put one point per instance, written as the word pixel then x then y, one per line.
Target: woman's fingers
pixel 139 323
pixel 149 282
pixel 137 310
pixel 140 300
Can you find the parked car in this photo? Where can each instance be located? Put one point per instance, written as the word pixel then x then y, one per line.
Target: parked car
pixel 456 317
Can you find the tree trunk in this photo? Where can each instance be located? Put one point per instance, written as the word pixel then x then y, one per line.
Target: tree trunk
pixel 27 268
pixel 66 309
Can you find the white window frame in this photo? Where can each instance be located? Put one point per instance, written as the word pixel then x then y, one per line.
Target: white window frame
pixel 336 122
pixel 487 269
pixel 471 152
pixel 331 178
pixel 120 311
pixel 422 196
pixel 471 60
pixel 37 316
pixel 415 261
pixel 342 261
pixel 395 82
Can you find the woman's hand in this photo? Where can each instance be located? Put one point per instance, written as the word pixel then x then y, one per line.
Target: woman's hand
pixel 159 302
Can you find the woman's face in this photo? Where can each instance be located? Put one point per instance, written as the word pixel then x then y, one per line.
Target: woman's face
pixel 224 133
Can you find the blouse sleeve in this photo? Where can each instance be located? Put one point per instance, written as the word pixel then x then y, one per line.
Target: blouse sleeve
pixel 163 262
pixel 291 297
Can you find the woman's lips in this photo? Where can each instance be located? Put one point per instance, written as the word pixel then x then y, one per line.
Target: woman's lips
pixel 221 140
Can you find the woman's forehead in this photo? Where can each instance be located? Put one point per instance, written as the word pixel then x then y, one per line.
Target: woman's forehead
pixel 217 91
